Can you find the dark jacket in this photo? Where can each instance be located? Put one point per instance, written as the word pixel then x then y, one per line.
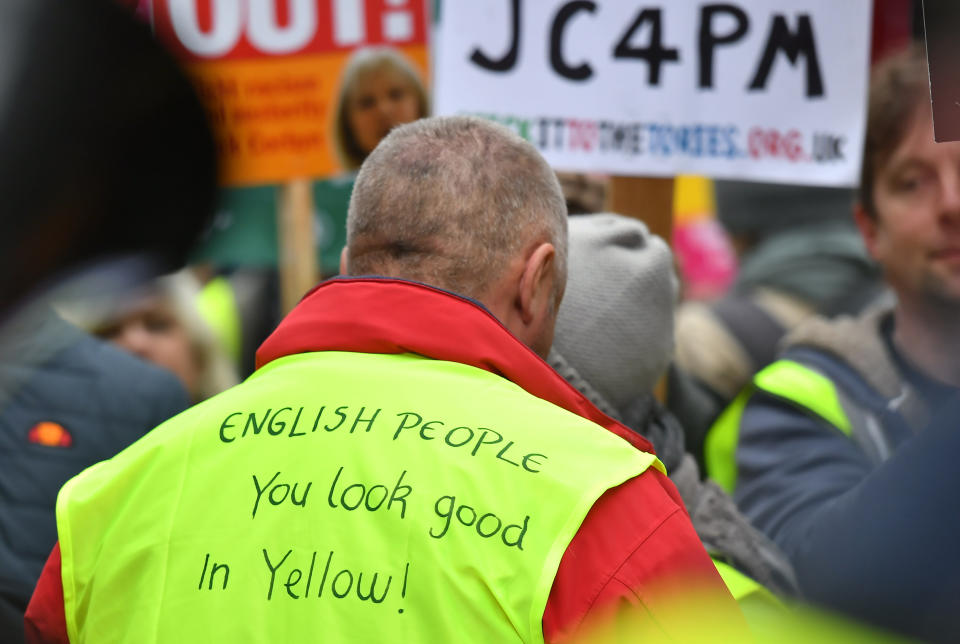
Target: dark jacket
pixel 864 509
pixel 97 400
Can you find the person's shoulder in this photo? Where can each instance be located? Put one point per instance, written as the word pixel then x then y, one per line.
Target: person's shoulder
pixel 115 367
pixel 834 334
pixel 856 342
pixel 850 356
pixel 709 351
pixel 67 365
pixel 633 547
pixel 618 526
pixel 127 390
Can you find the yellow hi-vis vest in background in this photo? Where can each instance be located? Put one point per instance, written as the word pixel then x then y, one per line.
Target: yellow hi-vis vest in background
pixel 340 497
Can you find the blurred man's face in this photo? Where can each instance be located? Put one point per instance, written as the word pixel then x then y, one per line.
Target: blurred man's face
pixel 916 236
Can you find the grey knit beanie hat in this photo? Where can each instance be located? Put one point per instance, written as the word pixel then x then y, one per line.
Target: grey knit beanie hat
pixel 615 324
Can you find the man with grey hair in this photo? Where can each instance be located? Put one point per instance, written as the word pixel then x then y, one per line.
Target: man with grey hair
pixel 469 207
pixel 418 472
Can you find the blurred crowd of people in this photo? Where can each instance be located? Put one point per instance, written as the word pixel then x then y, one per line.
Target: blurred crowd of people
pixel 743 467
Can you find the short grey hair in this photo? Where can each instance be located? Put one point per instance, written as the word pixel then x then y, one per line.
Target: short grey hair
pixel 449 201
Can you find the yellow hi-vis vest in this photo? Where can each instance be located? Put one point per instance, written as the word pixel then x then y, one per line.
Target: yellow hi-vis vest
pixel 790 381
pixel 340 497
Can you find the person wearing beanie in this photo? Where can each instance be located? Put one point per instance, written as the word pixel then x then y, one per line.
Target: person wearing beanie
pixel 800 255
pixel 614 339
pixel 616 321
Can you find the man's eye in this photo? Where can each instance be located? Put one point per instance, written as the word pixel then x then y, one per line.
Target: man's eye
pixel 910 182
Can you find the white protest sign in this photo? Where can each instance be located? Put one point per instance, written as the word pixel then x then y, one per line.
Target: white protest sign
pixel 752 89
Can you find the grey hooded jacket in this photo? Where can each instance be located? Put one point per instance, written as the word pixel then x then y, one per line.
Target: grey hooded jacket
pixel 103 398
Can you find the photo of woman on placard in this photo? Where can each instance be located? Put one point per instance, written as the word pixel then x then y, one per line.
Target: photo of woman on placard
pixel 380 90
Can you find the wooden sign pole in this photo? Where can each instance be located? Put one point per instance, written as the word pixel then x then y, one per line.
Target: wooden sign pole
pixel 298 253
pixel 645 198
pixel 651 201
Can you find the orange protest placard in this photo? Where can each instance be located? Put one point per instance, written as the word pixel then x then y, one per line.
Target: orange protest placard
pixel 269 72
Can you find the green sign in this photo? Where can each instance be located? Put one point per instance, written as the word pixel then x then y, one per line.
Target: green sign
pixel 244 231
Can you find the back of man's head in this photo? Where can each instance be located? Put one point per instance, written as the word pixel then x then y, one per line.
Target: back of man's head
pixel 450 201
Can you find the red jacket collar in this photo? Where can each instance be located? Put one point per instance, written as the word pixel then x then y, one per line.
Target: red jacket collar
pixel 379 315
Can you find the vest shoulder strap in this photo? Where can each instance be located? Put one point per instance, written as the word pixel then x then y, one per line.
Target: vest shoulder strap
pixel 786 380
pixel 806 387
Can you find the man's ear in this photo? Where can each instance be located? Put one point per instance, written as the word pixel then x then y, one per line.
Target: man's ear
pixel 535 295
pixel 343 261
pixel 868 228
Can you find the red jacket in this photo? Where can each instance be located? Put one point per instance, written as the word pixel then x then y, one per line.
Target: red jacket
pixel 636 549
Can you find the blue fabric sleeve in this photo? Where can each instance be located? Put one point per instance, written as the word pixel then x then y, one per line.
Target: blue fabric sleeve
pixel 791 467
pixel 878 543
